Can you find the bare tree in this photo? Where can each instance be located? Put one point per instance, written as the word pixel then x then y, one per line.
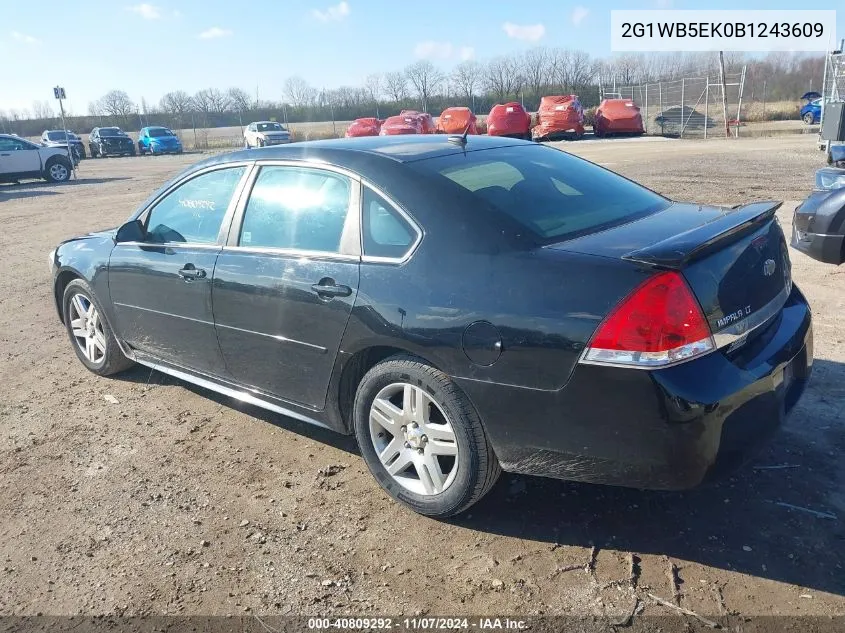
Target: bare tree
pixel 502 77
pixel 299 92
pixel 117 103
pixel 537 65
pixel 42 110
pixel 239 100
pixel 396 86
pixel 217 99
pixel 466 79
pixel 425 77
pixel 178 102
pixel 210 101
pixel 373 85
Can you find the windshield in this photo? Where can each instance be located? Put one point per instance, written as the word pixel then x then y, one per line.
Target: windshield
pixel 58 136
pixel 156 132
pixel 553 194
pixel 110 131
pixel 270 127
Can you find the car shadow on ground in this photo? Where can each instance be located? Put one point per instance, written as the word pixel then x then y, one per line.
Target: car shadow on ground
pixel 740 524
pixel 30 189
pixel 15 193
pixel 144 375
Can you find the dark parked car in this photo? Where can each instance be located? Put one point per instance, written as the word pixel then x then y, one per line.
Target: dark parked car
pixel 818 227
pixel 110 141
pixel 63 138
pixel 459 311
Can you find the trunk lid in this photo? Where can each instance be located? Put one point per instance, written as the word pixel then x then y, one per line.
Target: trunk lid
pixel 735 260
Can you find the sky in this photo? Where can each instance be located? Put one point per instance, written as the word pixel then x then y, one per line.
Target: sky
pixel 150 48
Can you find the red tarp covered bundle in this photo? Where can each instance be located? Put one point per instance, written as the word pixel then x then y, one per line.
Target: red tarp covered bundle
pixel 408 122
pixel 618 116
pixel 509 119
pixel 560 114
pixel 364 127
pixel 455 121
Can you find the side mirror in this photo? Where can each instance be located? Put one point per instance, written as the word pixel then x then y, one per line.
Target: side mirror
pixel 132 231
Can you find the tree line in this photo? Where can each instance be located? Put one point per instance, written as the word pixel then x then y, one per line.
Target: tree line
pixel 525 77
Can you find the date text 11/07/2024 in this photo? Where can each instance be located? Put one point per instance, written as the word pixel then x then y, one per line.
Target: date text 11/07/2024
pixel 418 624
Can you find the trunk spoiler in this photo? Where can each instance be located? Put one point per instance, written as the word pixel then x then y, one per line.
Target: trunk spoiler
pixel 680 249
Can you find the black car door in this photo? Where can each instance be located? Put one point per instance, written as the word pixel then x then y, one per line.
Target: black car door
pixel 285 283
pixel 161 287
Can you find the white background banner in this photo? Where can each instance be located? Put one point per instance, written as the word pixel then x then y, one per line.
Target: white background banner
pixel 807 30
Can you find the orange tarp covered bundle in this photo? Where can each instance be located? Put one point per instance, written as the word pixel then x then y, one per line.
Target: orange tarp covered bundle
pixel 560 114
pixel 456 120
pixel 369 126
pixel 408 122
pixel 620 116
pixel 509 119
pixel 401 124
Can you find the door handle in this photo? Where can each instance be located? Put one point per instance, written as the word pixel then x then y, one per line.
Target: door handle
pixel 5 154
pixel 190 272
pixel 327 288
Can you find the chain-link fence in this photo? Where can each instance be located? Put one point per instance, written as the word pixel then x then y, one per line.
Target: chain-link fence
pixel 687 107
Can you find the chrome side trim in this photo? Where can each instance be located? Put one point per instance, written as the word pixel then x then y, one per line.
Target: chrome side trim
pixel 291 252
pixel 277 337
pixel 741 329
pixel 232 393
pixel 208 246
pixel 167 314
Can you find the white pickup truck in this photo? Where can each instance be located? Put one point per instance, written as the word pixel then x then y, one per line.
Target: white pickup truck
pixel 20 159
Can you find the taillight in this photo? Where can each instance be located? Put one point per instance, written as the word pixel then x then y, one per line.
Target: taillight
pixel 658 324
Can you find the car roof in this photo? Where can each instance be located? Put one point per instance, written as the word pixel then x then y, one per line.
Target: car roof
pixel 402 148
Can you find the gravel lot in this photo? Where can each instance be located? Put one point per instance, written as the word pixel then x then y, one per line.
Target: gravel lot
pixel 175 500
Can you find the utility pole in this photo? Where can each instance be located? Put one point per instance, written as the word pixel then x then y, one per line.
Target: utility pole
pixel 724 92
pixel 59 93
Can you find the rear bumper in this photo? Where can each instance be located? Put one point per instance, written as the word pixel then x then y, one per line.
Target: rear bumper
pixel 669 429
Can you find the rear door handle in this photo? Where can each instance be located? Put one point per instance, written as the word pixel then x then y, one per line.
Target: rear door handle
pixel 190 272
pixel 328 288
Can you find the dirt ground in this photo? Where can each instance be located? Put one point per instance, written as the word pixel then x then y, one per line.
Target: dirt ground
pixel 177 501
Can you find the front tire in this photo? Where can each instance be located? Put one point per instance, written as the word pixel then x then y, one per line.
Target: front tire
pixel 90 335
pixel 421 438
pixel 809 119
pixel 57 169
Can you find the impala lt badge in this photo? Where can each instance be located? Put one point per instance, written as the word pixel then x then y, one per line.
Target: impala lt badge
pixel 769 267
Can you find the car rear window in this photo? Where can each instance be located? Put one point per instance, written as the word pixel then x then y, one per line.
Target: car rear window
pixel 555 195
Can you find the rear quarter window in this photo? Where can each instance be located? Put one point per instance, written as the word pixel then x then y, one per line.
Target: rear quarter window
pixel 553 194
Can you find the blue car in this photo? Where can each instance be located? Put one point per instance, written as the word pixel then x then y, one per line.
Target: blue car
pixel 158 140
pixel 811 113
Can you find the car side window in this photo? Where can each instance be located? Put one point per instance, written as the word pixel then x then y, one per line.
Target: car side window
pixel 194 211
pixel 13 145
pixel 385 232
pixel 296 208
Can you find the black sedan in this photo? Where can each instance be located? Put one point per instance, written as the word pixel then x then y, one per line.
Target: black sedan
pixel 462 305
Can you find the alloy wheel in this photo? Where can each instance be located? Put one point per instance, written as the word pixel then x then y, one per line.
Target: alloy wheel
pixel 58 172
pixel 87 328
pixel 413 438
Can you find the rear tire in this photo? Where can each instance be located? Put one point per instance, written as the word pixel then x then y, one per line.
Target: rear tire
pixel 90 335
pixel 440 476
